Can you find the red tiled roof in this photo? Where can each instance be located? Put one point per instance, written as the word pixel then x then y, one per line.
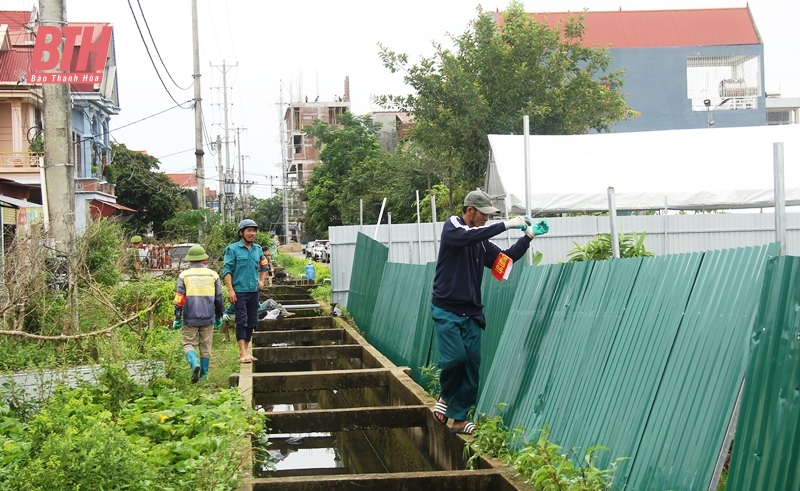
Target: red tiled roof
pixel 14 64
pixel 16 20
pixel 662 28
pixel 184 180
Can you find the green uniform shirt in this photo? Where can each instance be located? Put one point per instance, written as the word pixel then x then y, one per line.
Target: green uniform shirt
pixel 244 266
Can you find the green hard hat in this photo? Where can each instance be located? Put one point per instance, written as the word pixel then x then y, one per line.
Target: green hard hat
pixel 196 253
pixel 136 239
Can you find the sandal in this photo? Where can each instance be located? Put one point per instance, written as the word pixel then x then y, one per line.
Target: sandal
pixel 253 358
pixel 467 429
pixel 245 359
pixel 440 411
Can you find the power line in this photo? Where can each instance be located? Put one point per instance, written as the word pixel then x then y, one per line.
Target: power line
pixel 230 32
pixel 147 26
pixel 214 30
pixel 130 124
pixel 151 58
pixel 184 151
pixel 212 144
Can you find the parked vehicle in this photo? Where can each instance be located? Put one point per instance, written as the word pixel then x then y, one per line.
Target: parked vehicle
pixel 318 252
pixel 308 249
pixel 177 256
pixel 326 253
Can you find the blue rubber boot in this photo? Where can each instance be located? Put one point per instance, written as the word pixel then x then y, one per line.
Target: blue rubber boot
pixel 191 357
pixel 204 368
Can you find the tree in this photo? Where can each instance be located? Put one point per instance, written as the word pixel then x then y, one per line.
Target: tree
pixel 494 75
pixel 350 144
pixel 395 177
pixel 186 226
pixel 268 214
pixel 152 194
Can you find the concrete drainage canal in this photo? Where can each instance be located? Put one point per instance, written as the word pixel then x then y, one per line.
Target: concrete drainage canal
pixel 342 416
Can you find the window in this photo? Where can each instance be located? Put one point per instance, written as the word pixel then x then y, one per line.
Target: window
pixel 298 144
pixel 296 125
pixel 723 82
pixel 780 116
pixel 77 153
pixel 334 113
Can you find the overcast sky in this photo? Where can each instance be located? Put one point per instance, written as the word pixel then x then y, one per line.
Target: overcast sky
pixel 307 48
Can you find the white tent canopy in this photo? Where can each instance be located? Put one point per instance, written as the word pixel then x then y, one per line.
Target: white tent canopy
pixel 709 168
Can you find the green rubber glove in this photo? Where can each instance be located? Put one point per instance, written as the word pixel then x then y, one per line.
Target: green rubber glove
pixel 217 324
pixel 177 324
pixel 541 228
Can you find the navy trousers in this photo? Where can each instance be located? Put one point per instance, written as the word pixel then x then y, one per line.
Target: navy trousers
pixel 246 314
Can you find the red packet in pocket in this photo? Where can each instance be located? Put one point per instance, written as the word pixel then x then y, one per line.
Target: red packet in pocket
pixel 501 268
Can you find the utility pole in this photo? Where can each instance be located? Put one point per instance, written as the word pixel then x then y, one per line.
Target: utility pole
pixel 224 68
pixel 244 185
pixel 198 115
pixel 240 166
pixel 271 178
pixel 285 153
pixel 59 171
pixel 221 189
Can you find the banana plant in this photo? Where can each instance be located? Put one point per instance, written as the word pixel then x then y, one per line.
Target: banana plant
pixel 598 249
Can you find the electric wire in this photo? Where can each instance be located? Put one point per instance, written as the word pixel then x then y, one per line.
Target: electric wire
pixel 108 132
pixel 214 28
pixel 230 32
pixel 135 20
pixel 212 147
pixel 147 26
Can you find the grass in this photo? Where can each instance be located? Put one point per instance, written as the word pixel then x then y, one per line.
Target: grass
pixel 224 361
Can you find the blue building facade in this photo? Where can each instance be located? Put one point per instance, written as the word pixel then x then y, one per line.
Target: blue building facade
pixel 668 87
pixel 684 69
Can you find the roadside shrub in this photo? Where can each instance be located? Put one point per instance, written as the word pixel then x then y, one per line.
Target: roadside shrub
pixel 136 296
pixel 102 246
pixel 430 376
pixel 322 293
pixel 541 463
pixel 75 444
pixel 600 248
pixel 137 438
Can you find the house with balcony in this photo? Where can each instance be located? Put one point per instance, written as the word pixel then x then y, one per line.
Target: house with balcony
pixel 21 128
pixel 683 68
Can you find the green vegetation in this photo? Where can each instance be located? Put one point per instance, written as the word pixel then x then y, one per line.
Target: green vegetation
pixel 156 432
pixel 139 438
pixel 540 462
pixel 140 186
pixel 430 375
pixel 601 248
pixel 187 226
pixel 496 73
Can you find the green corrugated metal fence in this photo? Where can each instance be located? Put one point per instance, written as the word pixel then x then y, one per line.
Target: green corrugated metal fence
pixel 368 263
pixel 704 372
pixel 766 449
pixel 644 356
pixel 497 298
pixel 401 327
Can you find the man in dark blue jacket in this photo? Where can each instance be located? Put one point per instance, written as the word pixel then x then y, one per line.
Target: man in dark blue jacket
pixel 457 309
